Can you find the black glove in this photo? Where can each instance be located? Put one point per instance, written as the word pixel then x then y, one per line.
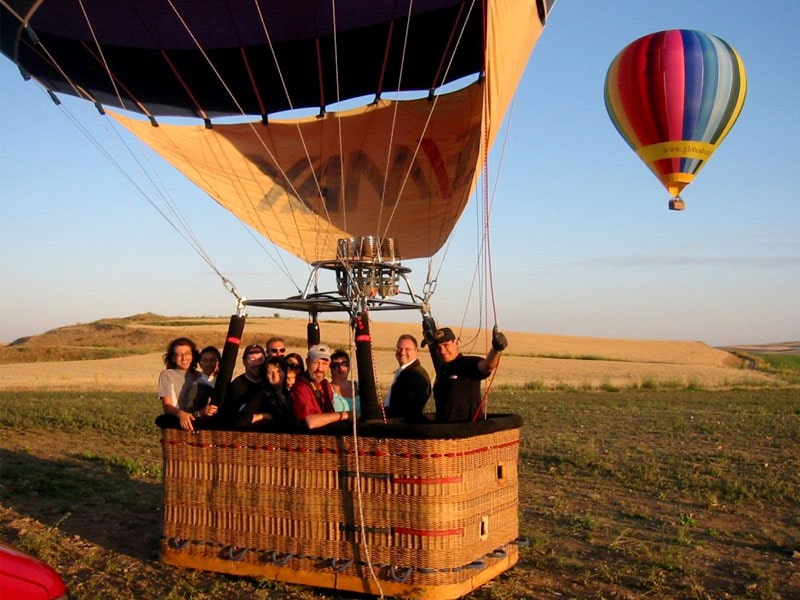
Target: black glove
pixel 428 328
pixel 499 341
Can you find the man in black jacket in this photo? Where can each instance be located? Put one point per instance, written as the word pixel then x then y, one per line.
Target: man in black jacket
pixel 457 389
pixel 245 390
pixel 412 384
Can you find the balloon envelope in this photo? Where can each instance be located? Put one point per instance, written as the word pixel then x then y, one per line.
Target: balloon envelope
pixel 363 165
pixel 673 96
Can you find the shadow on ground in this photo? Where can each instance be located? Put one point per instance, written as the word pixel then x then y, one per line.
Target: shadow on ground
pixel 84 497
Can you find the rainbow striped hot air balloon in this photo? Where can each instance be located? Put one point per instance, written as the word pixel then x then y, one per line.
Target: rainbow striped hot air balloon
pixel 673 96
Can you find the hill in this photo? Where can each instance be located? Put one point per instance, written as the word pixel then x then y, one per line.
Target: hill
pixel 125 354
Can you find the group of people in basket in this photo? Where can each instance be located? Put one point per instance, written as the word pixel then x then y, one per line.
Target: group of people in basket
pixel 281 390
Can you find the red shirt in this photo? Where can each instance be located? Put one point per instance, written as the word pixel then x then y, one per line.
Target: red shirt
pixel 311 398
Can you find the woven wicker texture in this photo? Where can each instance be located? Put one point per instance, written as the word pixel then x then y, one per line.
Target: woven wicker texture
pixel 433 512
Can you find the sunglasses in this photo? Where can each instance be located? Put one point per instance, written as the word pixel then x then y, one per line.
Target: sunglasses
pixel 339 364
pixel 292 365
pixel 277 350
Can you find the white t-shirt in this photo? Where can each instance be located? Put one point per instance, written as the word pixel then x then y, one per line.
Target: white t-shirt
pixel 177 385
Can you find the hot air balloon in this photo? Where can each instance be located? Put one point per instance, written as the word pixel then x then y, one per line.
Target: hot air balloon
pixel 351 134
pixel 369 167
pixel 673 96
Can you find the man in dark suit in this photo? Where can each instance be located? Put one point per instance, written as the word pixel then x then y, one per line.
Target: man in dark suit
pixel 412 384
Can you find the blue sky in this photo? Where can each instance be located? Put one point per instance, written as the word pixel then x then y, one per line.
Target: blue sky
pixel 582 241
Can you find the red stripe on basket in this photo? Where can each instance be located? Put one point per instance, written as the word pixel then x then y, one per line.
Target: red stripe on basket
pixel 507 444
pixel 428 532
pixel 346 452
pixel 363 338
pixel 233 340
pixel 427 480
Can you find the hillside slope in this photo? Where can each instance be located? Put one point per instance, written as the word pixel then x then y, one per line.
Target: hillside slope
pixel 125 354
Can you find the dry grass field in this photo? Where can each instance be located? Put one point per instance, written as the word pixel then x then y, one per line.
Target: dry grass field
pixel 680 482
pixel 129 354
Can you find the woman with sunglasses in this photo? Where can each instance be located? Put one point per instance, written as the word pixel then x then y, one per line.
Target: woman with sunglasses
pixel 294 366
pixel 345 388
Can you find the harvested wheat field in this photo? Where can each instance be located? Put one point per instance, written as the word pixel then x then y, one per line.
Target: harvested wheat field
pixel 535 360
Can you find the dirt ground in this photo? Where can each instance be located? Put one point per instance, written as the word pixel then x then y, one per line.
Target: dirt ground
pixel 592 538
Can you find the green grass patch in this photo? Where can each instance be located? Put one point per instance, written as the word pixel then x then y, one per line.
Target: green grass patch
pixel 785 366
pixel 125 414
pixel 789 363
pixel 623 493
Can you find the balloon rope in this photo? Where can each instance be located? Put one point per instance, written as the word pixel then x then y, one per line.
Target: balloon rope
pixel 486 216
pixel 187 233
pixel 185 230
pixel 434 271
pixel 390 142
pixel 321 236
pixel 351 343
pixel 275 162
pixel 103 61
pixel 357 463
pixel 422 134
pixel 490 300
pixel 177 222
pixel 340 140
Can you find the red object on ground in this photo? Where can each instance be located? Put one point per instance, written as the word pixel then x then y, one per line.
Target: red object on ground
pixel 23 577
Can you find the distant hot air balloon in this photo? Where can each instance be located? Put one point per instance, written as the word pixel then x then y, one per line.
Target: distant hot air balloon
pixel 673 96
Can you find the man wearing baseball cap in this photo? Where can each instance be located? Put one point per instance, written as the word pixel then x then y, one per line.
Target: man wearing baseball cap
pixel 457 388
pixel 312 395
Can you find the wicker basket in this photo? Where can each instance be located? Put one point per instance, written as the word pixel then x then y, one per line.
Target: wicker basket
pixel 433 517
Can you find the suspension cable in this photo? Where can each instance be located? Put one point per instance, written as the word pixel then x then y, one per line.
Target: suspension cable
pixel 255 130
pixel 184 231
pixel 488 203
pixel 420 138
pixel 279 261
pixel 393 128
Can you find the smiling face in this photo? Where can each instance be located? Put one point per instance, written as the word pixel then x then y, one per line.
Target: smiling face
pixel 405 351
pixel 318 369
pixel 448 350
pixel 340 370
pixel 182 355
